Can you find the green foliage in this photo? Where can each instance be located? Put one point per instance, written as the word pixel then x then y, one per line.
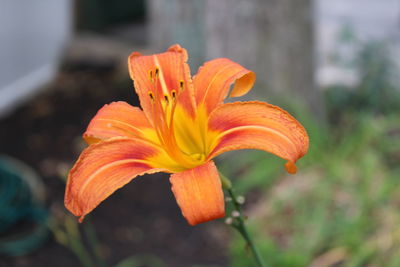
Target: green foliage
pixel 141 260
pixel 375 92
pixel 342 206
pixel 344 199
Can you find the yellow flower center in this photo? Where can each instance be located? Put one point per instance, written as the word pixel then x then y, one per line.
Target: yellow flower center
pixel 183 139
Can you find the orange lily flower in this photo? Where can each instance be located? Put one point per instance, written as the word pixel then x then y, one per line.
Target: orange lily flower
pixel 184 124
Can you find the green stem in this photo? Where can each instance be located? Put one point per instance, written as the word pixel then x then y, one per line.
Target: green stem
pixel 94 243
pixel 75 243
pixel 239 223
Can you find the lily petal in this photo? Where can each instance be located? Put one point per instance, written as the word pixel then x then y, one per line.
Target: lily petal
pixel 119 119
pixel 104 167
pixel 258 125
pixel 214 79
pixel 198 192
pixel 162 75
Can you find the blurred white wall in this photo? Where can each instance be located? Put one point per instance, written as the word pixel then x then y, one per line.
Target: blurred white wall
pixel 32 36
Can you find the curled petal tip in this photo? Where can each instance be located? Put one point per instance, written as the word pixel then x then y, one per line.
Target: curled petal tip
pixel 135 54
pixel 176 48
pixel 243 84
pixel 214 78
pixel 291 167
pixel 179 49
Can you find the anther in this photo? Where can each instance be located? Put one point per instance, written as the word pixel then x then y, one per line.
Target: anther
pixel 151 96
pixel 166 99
pixel 181 85
pixel 157 72
pixel 151 75
pixel 173 94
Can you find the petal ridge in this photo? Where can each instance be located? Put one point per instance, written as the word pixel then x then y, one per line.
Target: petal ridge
pixel 117 119
pixel 104 167
pixel 257 125
pixel 198 192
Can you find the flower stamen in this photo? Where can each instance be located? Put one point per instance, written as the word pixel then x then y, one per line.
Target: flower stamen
pixel 151 95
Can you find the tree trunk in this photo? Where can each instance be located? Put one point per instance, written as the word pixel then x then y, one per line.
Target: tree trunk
pixel 178 21
pixel 274 38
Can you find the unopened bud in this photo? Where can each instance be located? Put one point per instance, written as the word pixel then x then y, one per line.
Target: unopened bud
pixel 229 221
pixel 235 214
pixel 240 200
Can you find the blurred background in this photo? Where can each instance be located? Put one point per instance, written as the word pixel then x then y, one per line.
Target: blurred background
pixel 333 64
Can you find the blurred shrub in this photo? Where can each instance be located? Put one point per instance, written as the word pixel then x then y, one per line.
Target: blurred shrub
pixel 98 15
pixel 375 92
pixel 342 208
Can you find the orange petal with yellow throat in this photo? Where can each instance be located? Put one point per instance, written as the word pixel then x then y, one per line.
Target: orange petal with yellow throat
pixel 103 168
pixel 118 119
pixel 163 77
pixel 198 192
pixel 214 79
pixel 257 125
